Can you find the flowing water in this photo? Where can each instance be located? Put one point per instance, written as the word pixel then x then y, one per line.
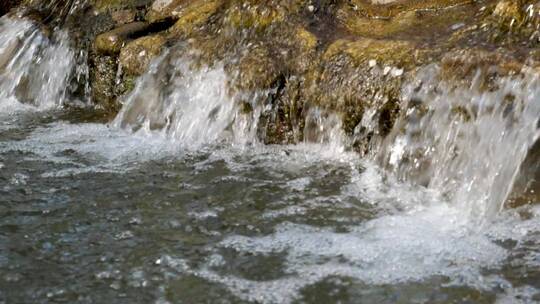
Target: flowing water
pixel 175 201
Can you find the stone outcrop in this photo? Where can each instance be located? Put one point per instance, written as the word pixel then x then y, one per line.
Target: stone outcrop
pixel 136 55
pixel 112 42
pixel 342 56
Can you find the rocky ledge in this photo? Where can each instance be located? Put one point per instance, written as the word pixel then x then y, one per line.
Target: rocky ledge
pixel 344 56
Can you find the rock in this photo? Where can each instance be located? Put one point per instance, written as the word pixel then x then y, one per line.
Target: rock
pixel 464 67
pixel 305 39
pixel 194 15
pixel 348 57
pixel 123 16
pixel 256 70
pixel 164 9
pixel 111 5
pixel 509 9
pixel 390 9
pixel 103 81
pixel 137 55
pixel 416 20
pixel 386 52
pixel 254 16
pixel 7 5
pixel 112 42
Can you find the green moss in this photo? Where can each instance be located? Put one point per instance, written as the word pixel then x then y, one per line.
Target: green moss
pixel 137 54
pixel 353 112
pixel 254 16
pixel 194 15
pixel 388 52
pixel 108 5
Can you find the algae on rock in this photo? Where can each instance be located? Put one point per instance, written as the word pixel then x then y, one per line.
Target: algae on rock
pixel 136 55
pixel 348 57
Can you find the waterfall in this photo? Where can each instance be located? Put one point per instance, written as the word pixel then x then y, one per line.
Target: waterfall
pixel 191 106
pixel 468 143
pixel 35 69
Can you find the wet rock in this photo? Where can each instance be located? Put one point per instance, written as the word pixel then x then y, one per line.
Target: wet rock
pixel 112 42
pixel 103 82
pixel 509 9
pixel 427 22
pixel 387 52
pixel 389 9
pixel 164 9
pixel 136 55
pixel 483 67
pixel 111 5
pixel 254 16
pixel 194 15
pixel 258 69
pixel 125 16
pixel 7 5
pixel 349 57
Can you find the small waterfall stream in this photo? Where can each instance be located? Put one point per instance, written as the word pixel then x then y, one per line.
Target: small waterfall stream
pixel 191 107
pixel 466 142
pixel 34 69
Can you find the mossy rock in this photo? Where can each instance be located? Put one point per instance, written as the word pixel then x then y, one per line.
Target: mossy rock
pixel 164 9
pixel 391 9
pixel 253 16
pixel 510 10
pixel 461 67
pixel 137 54
pixel 110 5
pixel 386 52
pixel 102 79
pixel 256 70
pixel 194 15
pixel 112 42
pixel 124 16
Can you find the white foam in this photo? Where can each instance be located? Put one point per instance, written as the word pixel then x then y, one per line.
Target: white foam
pixel 34 69
pixel 189 106
pixel 467 143
pixel 406 247
pixel 102 148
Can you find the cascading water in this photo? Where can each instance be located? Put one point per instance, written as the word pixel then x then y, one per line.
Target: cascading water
pixel 34 69
pixel 468 143
pixel 186 105
pixel 464 142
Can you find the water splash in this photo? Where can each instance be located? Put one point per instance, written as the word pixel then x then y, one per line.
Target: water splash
pixel 466 142
pixel 34 69
pixel 190 106
pixel 325 129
